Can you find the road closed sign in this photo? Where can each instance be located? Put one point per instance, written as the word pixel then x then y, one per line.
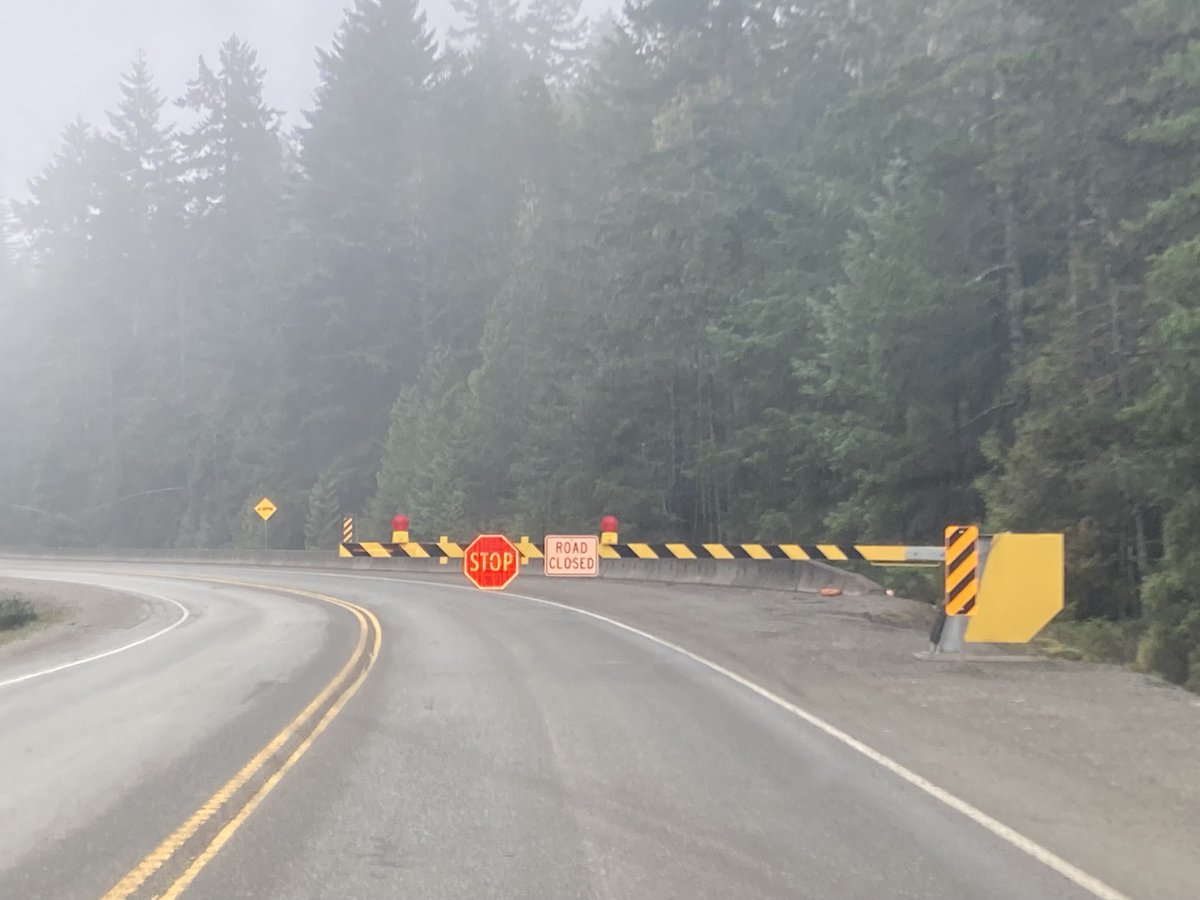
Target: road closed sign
pixel 571 555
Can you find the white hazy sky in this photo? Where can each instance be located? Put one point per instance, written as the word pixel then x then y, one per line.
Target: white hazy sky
pixel 62 58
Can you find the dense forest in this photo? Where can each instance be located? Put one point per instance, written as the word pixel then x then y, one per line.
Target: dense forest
pixel 730 269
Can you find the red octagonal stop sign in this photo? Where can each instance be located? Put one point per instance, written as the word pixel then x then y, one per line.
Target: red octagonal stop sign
pixel 491 562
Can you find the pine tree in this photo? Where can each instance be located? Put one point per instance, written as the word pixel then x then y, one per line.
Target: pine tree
pixel 323 525
pixel 556 34
pixel 138 241
pixel 16 430
pixel 59 215
pixel 232 154
pixel 493 30
pixel 789 271
pixel 104 228
pixel 144 150
pixel 1065 460
pixel 356 249
pixel 1166 412
pixel 421 471
pixel 62 351
pixel 231 306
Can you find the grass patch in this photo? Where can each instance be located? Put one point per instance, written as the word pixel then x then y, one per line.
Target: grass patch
pixel 1096 640
pixel 15 612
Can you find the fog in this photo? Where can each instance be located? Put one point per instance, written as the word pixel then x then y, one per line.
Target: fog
pixel 62 58
pixel 794 271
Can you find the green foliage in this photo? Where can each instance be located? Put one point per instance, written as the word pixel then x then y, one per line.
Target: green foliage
pixel 323 526
pixel 731 270
pixel 1095 640
pixel 15 612
pixel 420 472
pixel 1170 646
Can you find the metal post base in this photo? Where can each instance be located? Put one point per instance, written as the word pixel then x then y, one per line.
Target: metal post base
pixel 954 631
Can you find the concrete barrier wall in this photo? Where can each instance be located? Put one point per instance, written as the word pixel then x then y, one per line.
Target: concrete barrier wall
pixel 777 575
pixel 786 575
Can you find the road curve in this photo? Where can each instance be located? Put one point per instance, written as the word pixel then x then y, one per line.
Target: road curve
pixel 498 749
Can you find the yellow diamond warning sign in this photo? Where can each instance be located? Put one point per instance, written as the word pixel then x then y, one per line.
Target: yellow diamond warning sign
pixel 265 508
pixel 571 555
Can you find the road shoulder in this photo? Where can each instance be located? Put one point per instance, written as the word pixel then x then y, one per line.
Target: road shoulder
pixel 1095 762
pixel 74 620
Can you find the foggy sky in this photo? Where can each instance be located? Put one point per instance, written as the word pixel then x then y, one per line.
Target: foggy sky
pixel 63 58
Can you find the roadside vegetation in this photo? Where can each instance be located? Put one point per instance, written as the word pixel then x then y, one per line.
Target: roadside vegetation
pixel 15 612
pixel 739 270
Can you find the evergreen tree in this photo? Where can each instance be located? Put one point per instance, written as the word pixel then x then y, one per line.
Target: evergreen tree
pixel 356 247
pixel 731 269
pixel 323 526
pixel 420 470
pixel 1165 414
pixel 232 156
pixel 65 405
pixel 493 32
pixel 232 159
pixel 555 38
pixel 1066 463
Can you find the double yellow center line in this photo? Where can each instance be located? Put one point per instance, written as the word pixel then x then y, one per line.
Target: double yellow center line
pixel 221 806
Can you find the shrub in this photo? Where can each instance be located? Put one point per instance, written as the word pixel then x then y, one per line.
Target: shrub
pixel 1098 640
pixel 1171 645
pixel 15 612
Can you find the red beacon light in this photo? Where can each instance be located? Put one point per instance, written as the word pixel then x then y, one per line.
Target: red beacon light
pixel 400 529
pixel 609 526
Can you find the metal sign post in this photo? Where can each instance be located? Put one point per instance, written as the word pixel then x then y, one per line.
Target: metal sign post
pixel 265 509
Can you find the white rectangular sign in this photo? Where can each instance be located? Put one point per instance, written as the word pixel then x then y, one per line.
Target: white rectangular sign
pixel 571 555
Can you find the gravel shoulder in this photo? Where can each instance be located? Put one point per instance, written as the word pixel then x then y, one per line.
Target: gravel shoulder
pixel 74 620
pixel 1098 764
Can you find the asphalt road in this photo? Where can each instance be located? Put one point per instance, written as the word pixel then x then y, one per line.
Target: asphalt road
pixel 492 747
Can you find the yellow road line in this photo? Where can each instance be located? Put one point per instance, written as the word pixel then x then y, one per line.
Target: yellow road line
pixel 184 881
pixel 144 870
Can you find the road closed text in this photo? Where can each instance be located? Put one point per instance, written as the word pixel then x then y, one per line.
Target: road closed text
pixel 571 556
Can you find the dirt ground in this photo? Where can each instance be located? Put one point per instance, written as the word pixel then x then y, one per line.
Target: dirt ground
pixel 1098 764
pixel 72 619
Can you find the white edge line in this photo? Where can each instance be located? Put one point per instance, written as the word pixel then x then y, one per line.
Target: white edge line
pixel 1048 858
pixel 90 659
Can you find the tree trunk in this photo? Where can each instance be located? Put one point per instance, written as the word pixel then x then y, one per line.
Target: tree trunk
pixel 1116 344
pixel 1141 555
pixel 1013 279
pixel 1075 255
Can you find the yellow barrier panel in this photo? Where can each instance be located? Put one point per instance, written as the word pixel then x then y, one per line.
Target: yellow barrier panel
pixel 1021 589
